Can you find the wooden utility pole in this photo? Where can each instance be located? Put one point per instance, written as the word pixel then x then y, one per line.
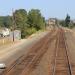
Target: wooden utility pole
pixel 13 27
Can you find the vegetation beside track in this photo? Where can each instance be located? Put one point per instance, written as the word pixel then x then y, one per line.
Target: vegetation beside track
pixel 27 22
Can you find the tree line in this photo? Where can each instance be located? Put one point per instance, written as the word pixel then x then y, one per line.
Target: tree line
pixel 27 22
pixel 67 22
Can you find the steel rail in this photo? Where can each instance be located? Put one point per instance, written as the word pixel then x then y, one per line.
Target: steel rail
pixel 14 64
pixel 68 57
pixel 56 53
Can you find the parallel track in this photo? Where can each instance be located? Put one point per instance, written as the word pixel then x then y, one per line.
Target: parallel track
pixel 61 60
pixel 26 64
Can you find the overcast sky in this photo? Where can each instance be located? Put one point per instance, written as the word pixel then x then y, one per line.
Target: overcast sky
pixel 49 8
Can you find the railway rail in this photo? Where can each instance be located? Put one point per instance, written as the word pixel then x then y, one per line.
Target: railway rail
pixel 61 65
pixel 25 64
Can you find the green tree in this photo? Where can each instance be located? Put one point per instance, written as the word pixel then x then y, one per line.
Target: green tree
pixel 35 19
pixel 27 23
pixel 67 21
pixel 2 21
pixel 62 22
pixel 7 21
pixel 20 17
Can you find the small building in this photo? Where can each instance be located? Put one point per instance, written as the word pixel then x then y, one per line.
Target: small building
pixel 51 22
pixel 16 35
pixel 4 32
pixel 73 21
pixel 7 36
pixel 7 33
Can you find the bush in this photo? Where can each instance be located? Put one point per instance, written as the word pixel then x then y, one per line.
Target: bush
pixel 30 31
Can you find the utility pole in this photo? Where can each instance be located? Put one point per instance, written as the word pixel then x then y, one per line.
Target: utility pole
pixel 13 27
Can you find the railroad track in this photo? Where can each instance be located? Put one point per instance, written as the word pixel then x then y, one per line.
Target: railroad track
pixel 25 64
pixel 61 65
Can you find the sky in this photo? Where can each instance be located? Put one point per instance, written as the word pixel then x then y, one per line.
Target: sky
pixel 48 8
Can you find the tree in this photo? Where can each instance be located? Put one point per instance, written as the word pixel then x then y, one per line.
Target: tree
pixel 20 17
pixel 67 21
pixel 35 19
pixel 2 21
pixel 62 22
pixel 27 23
pixel 7 21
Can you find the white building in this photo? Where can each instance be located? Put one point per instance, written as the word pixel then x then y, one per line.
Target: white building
pixel 52 21
pixel 16 34
pixel 4 32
